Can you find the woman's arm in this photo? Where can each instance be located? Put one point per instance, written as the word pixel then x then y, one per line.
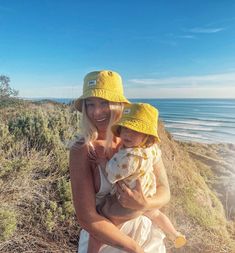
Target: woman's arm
pixel 83 192
pixel 135 199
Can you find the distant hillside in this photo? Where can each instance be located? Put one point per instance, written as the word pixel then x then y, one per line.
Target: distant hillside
pixel 36 213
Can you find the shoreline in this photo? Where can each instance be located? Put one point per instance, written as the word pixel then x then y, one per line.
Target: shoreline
pixel 201 143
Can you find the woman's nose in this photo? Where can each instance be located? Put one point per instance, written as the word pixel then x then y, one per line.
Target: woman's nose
pixel 97 110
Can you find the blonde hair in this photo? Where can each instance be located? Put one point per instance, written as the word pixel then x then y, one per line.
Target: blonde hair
pixel 88 133
pixel 116 113
pixel 87 130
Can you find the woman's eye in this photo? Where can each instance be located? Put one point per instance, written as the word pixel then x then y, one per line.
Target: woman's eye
pixel 105 104
pixel 89 105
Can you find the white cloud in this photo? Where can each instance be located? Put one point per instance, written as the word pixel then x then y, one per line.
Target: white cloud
pixel 204 86
pixel 224 79
pixel 186 37
pixel 206 30
pixel 195 92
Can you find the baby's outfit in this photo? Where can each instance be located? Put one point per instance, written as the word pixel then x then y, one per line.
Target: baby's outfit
pixel 128 164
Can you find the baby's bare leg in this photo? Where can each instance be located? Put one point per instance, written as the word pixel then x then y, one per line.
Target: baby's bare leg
pixel 165 224
pixel 162 221
pixel 93 245
pixel 117 213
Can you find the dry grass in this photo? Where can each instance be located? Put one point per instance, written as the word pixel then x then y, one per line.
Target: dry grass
pixel 35 188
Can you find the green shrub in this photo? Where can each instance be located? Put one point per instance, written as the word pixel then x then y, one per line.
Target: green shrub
pixel 64 188
pixel 7 224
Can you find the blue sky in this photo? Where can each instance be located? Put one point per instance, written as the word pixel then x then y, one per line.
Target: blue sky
pixel 162 49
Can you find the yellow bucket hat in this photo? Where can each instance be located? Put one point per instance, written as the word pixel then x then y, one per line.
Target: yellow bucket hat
pixel 104 84
pixel 140 117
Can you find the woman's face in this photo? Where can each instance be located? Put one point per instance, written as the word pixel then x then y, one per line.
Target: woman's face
pixel 131 138
pixel 98 112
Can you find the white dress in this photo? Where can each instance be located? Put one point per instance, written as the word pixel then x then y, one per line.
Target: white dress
pixel 141 229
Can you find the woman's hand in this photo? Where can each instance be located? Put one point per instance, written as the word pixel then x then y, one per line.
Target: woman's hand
pixel 135 199
pixel 131 198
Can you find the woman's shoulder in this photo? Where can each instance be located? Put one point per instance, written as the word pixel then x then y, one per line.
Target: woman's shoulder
pixel 80 155
pixel 78 145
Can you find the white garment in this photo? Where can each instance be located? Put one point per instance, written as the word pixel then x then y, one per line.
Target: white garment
pixel 141 229
pixel 128 164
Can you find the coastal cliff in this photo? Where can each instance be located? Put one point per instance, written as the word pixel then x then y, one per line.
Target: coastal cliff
pixel 202 182
pixel 36 212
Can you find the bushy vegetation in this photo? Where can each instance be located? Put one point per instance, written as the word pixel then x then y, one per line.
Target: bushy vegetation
pixel 36 211
pixel 34 180
pixel 7 223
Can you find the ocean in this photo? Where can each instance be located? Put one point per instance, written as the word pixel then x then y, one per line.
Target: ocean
pixel 200 120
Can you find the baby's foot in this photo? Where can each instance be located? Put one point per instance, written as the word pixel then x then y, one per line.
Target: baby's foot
pixel 179 240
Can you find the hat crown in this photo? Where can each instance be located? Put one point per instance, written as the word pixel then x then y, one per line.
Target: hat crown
pixel 141 111
pixel 105 84
pixel 140 117
pixel 104 79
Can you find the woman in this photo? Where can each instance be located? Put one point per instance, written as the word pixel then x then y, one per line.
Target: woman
pixel 101 105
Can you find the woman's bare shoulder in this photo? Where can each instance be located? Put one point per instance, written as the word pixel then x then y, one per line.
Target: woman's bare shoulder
pixel 78 145
pixel 78 157
pixel 78 152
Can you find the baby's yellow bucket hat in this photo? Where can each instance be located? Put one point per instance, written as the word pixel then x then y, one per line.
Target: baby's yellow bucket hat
pixel 104 84
pixel 140 117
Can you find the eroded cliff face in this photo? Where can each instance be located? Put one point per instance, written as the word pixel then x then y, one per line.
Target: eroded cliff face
pixel 202 203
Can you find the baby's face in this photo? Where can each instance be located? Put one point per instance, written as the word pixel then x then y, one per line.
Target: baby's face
pixel 131 138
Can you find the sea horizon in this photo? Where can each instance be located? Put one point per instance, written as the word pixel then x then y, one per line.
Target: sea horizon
pixel 204 120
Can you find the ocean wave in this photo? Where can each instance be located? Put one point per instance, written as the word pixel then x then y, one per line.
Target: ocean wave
pixel 197 118
pixel 191 135
pixel 189 127
pixel 193 122
pixel 207 137
pixel 201 138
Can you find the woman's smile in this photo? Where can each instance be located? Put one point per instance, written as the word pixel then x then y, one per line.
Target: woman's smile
pixel 101 120
pixel 98 112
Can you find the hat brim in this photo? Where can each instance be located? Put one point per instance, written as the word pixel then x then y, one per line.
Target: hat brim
pixel 100 93
pixel 136 125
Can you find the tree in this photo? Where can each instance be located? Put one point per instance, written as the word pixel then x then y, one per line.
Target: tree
pixel 5 90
